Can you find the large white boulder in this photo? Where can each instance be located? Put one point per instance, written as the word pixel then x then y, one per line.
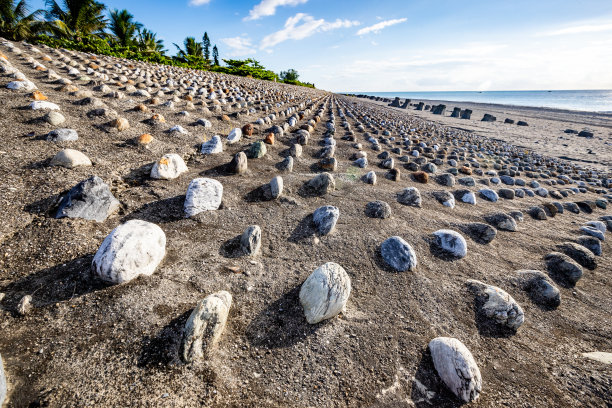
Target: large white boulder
pixel 131 249
pixel 456 367
pixel 324 293
pixel 205 325
pixel 203 194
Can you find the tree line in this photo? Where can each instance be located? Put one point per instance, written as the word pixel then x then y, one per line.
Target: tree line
pixel 87 25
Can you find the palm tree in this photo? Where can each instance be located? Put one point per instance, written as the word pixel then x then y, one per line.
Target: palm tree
pixel 148 42
pixel 15 22
pixel 123 27
pixel 192 48
pixel 78 18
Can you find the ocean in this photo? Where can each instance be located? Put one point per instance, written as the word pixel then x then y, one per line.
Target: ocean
pixel 589 100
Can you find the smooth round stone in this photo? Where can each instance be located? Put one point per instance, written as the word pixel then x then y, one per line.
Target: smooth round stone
pixel 579 254
pixel 275 188
pixel 467 181
pixel 506 193
pixel 410 196
pixel 131 249
pixel 481 233
pixel 489 194
pixel 563 267
pixel 456 367
pixel 592 231
pixel 537 212
pixel 593 244
pixel 498 305
pixel 502 221
pixel 370 177
pixel 540 287
pixel 43 105
pixel 21 85
pixel 250 241
pixel 54 118
pixel 466 196
pixel 70 159
pixel 451 242
pixel 168 167
pixel 62 135
pixel 204 122
pixel 378 209
pixel 286 164
pixel 325 292
pixel 295 150
pixel 234 136
pixel 203 194
pixel 398 254
pixel 325 219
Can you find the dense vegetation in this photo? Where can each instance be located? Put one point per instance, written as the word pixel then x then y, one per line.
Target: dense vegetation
pixel 83 25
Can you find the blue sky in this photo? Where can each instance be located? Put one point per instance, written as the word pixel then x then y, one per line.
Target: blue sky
pixel 409 45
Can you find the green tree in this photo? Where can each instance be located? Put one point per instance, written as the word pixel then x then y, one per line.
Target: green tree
pixel 148 42
pixel 206 47
pixel 76 19
pixel 215 55
pixel 289 75
pixel 123 27
pixel 15 22
pixel 192 48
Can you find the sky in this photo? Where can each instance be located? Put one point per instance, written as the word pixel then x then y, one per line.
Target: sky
pixel 401 46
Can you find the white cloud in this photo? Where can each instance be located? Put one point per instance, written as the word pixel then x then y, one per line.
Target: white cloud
pixel 309 26
pixel 198 2
pixel 239 46
pixel 268 8
pixel 379 26
pixel 580 29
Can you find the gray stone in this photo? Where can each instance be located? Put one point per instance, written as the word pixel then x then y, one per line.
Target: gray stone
pixel 203 194
pixel 410 196
pixel 571 207
pixel 579 254
pixel 537 213
pixel 501 221
pixel 506 193
pixel 295 150
pixel 451 242
pixel 445 198
pixel 480 232
pixel 563 268
pixel 239 163
pixel 286 164
pixel 321 184
pixel 540 287
pixel 592 231
pixel 54 118
pixel 467 181
pixel 91 199
pixel 593 244
pixel 257 150
pixel 250 241
pixel 213 146
pixel 63 135
pixel 133 248
pixel 497 305
pixel 378 209
pixel 465 196
pixel 325 219
pixel 370 177
pixel 274 189
pixel 325 292
pixel 456 367
pixel 446 179
pixel 398 254
pixel 205 326
pixel 488 194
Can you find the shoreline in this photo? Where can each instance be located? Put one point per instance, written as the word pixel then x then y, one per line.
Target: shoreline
pixel 545 133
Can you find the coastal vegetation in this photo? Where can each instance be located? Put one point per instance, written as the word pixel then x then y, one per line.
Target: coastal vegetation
pixel 88 26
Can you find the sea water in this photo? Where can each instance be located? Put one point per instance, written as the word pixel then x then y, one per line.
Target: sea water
pixel 589 100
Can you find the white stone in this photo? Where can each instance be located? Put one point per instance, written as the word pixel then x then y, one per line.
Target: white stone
pixel 37 105
pixel 3 388
pixel 70 159
pixel 178 129
pixel 451 242
pixel 276 187
pixel 324 293
pixel 168 167
pixel 204 122
pixel 456 367
pixel 234 136
pixel 600 356
pixel 203 194
pixel 213 146
pixel 131 249
pixel 21 85
pixel 205 325
pixel 469 198
pixel 498 305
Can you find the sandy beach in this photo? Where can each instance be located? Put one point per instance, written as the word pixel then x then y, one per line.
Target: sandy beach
pixel 544 135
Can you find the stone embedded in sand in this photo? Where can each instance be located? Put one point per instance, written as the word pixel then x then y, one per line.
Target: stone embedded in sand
pixel 234 136
pixel 203 194
pixel 38 96
pixel 420 177
pixel 274 189
pixel 467 181
pixel 481 233
pixel 540 287
pixel 21 85
pixel 204 122
pixel 591 243
pixel 43 105
pixel 295 150
pixel 250 241
pixel 410 196
pixel 120 124
pixel 445 198
pixel 398 254
pixel 239 163
pixel 168 167
pixel 91 199
pixel 456 367
pixel 257 150
pixel 247 129
pixel 132 249
pixel 286 164
pixel 25 305
pixel 451 242
pixel 321 184
pixel 506 193
pixel 378 209
pixel 213 146
pixel 325 292
pixel 205 325
pixel 70 159
pixel 269 138
pixel 563 267
pixel 537 213
pixel 370 177
pixel 446 179
pixel 489 194
pixel 62 135
pixel 497 305
pixel 144 140
pixel 502 221
pixel 54 118
pixel 325 218
pixel 328 164
pixel 579 254
pixel 592 231
pixel 178 129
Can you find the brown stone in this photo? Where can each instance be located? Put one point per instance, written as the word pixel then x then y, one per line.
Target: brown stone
pixel 269 138
pixel 225 118
pixel 120 124
pixel 158 117
pixel 465 170
pixel 145 139
pixel 247 130
pixel 420 177
pixel 38 96
pixel 141 107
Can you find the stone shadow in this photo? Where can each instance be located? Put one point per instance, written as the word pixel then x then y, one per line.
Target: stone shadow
pixel 304 230
pixel 164 349
pixel 161 211
pixel 428 390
